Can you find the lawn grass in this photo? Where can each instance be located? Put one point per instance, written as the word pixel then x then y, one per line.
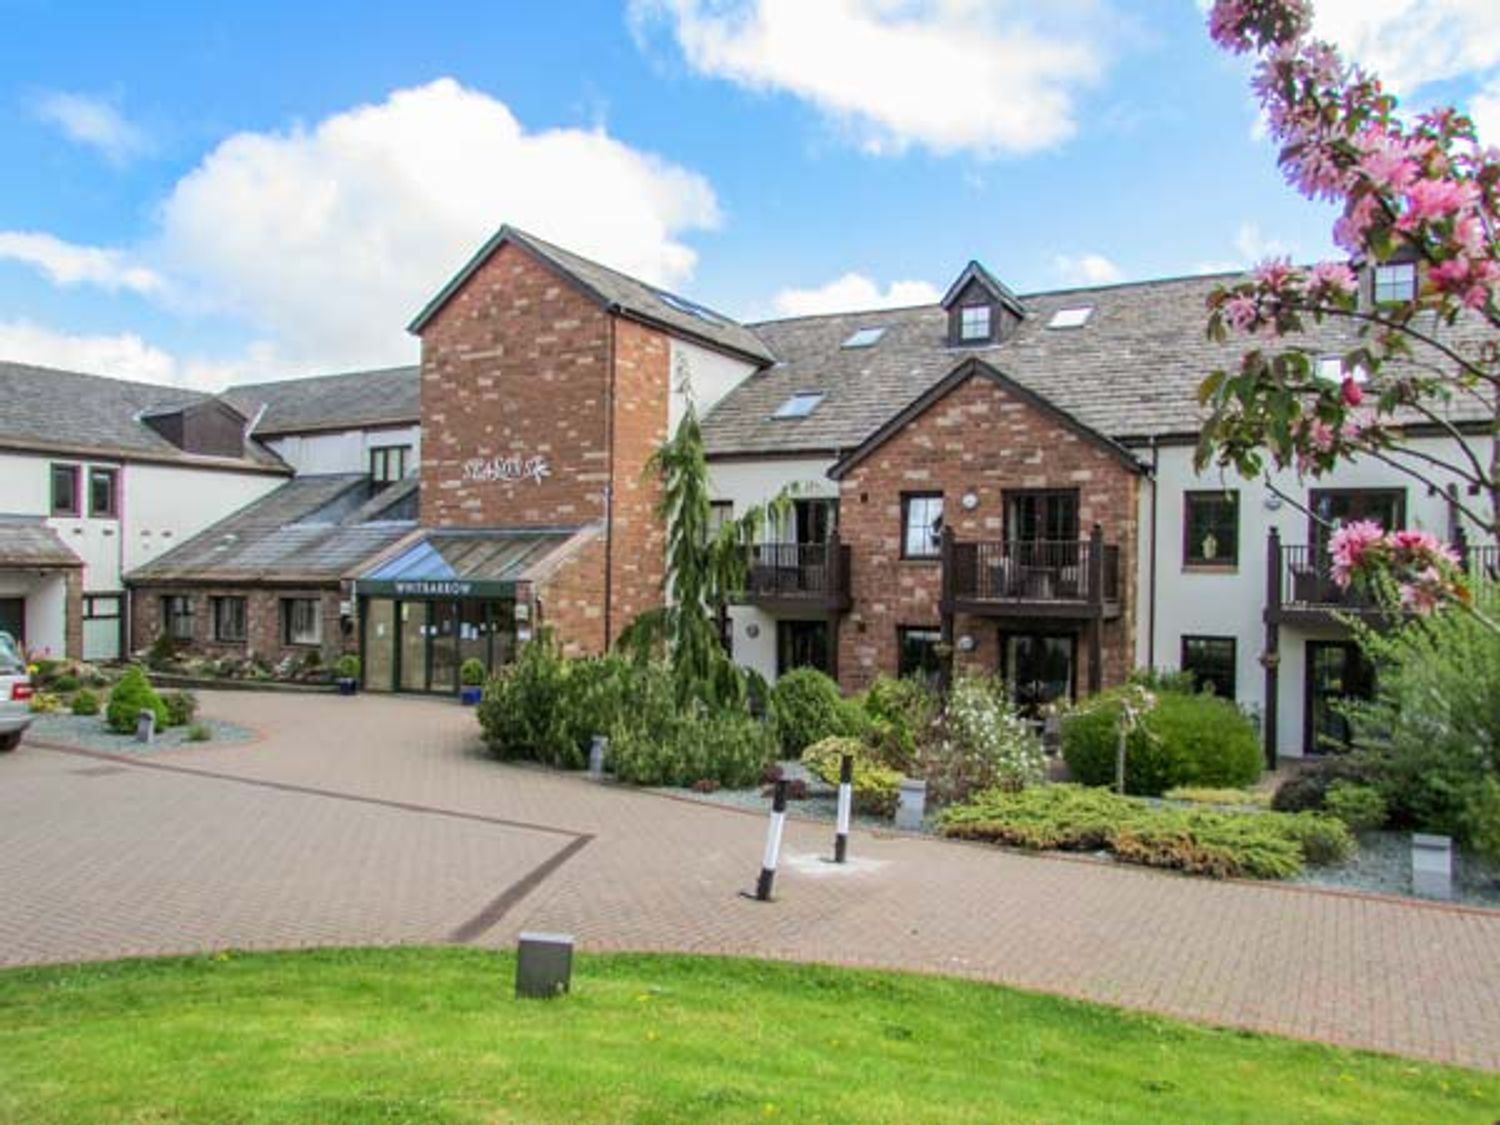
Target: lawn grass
pixel 433 1035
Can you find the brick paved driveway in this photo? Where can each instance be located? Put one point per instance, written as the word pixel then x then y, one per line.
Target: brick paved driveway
pixel 376 820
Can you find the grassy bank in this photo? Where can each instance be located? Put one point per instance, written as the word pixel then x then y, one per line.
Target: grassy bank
pixel 433 1035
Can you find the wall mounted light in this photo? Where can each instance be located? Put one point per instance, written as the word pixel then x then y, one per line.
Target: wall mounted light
pixel 970 501
pixel 1273 502
pixel 967 643
pixel 752 630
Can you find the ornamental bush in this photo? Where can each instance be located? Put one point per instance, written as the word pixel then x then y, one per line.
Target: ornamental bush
pixel 899 714
pixel 1184 740
pixel 1200 841
pixel 807 707
pixel 727 749
pixel 1361 807
pixel 877 788
pixel 181 707
pixel 85 702
pixel 130 696
pixel 980 742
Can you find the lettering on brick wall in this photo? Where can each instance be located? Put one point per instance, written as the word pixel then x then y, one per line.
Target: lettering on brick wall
pixel 513 468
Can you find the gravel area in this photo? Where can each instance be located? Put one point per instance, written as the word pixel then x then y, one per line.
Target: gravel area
pixel 88 732
pixel 1383 866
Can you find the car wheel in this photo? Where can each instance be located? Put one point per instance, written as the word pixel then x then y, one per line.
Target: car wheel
pixel 9 741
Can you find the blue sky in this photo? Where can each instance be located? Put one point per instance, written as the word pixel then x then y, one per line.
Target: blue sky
pixel 203 193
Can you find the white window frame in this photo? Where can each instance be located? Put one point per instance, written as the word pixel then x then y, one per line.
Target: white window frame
pixel 975 322
pixel 309 631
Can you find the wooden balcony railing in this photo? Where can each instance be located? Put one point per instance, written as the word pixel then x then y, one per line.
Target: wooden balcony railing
pixel 814 574
pixel 1300 581
pixel 1059 576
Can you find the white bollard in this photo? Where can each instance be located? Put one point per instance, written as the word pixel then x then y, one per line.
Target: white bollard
pixel 145 726
pixel 846 805
pixel 1431 866
pixel 912 804
pixel 773 844
pixel 597 749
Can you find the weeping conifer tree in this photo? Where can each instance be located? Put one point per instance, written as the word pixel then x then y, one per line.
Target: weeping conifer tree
pixel 706 569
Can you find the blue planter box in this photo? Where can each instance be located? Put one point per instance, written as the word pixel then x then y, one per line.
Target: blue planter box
pixel 348 687
pixel 469 696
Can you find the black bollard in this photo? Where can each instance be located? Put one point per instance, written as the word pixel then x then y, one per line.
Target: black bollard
pixel 773 844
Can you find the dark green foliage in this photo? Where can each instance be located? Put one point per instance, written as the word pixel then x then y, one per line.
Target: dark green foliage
pixel 132 695
pixel 347 666
pixel 471 672
pixel 199 732
pixel 1204 842
pixel 1176 680
pixel 1361 807
pixel 900 714
pixel 1306 789
pixel 64 683
pixel 727 749
pixel 181 707
pixel 807 707
pixel 43 669
pixel 1185 740
pixel 163 651
pixel 1481 819
pixel 85 702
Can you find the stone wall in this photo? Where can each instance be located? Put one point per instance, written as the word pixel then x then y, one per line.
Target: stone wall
pixel 263 622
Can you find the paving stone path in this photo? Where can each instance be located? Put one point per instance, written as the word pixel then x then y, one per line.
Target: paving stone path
pixel 376 820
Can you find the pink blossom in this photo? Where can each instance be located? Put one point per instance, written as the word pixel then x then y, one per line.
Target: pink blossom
pixel 1241 311
pixel 1349 544
pixel 1274 273
pixel 1335 277
pixel 1422 596
pixel 1320 434
pixel 1410 539
pixel 1352 392
pixel 1435 199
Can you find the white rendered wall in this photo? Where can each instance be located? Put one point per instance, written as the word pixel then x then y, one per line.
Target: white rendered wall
pixel 1196 601
pixel 345 451
pixel 751 482
pixel 707 375
pixel 46 608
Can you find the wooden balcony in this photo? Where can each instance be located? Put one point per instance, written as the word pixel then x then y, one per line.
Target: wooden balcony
pixel 1300 588
pixel 798 576
pixel 1071 579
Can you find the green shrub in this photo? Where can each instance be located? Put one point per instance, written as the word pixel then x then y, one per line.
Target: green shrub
pixel 130 696
pixel 877 788
pixel 980 742
pixel 1481 820
pixel 43 669
pixel 1184 740
pixel 163 651
pixel 471 672
pixel 1259 845
pixel 806 707
pixel 1234 797
pixel 1361 807
pixel 65 683
pixel 347 667
pixel 1306 790
pixel 199 732
pixel 727 749
pixel 181 707
pixel 85 702
pixel 899 714
pixel 45 703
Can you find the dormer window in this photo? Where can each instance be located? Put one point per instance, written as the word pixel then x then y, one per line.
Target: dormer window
pixel 1395 283
pixel 974 323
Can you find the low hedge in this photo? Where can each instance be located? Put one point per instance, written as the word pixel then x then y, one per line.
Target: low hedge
pixel 1184 740
pixel 877 788
pixel 131 696
pixel 807 707
pixel 1258 845
pixel 728 749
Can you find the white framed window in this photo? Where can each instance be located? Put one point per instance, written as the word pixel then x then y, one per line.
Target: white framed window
pixel 921 525
pixel 1395 282
pixel 301 621
pixel 229 619
pixel 388 463
pixel 177 616
pixel 974 322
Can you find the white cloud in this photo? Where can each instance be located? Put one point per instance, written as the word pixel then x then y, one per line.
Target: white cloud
pixel 983 76
pixel 1410 43
pixel 329 239
pixel 125 356
pixel 854 292
pixel 94 122
pixel 1253 246
pixel 1484 108
pixel 1086 269
pixel 67 263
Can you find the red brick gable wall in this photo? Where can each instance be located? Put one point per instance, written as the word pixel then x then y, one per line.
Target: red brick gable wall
pixel 515 365
pixel 643 385
pixel 984 439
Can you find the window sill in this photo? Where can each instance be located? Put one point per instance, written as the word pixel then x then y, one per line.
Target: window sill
pixel 922 560
pixel 1210 568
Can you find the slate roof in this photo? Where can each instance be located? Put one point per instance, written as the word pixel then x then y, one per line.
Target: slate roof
pixel 384 397
pixel 1131 372
pixel 617 291
pixel 28 541
pixel 313 529
pixel 69 412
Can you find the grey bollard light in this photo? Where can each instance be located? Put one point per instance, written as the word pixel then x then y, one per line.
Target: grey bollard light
pixel 544 965
pixel 597 749
pixel 1431 866
pixel 912 805
pixel 145 726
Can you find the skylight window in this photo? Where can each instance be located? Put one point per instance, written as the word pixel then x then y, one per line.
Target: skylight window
pixel 1075 317
pixel 864 338
pixel 800 405
pixel 682 304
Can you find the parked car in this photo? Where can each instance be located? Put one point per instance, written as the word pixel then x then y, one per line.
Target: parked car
pixel 15 694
